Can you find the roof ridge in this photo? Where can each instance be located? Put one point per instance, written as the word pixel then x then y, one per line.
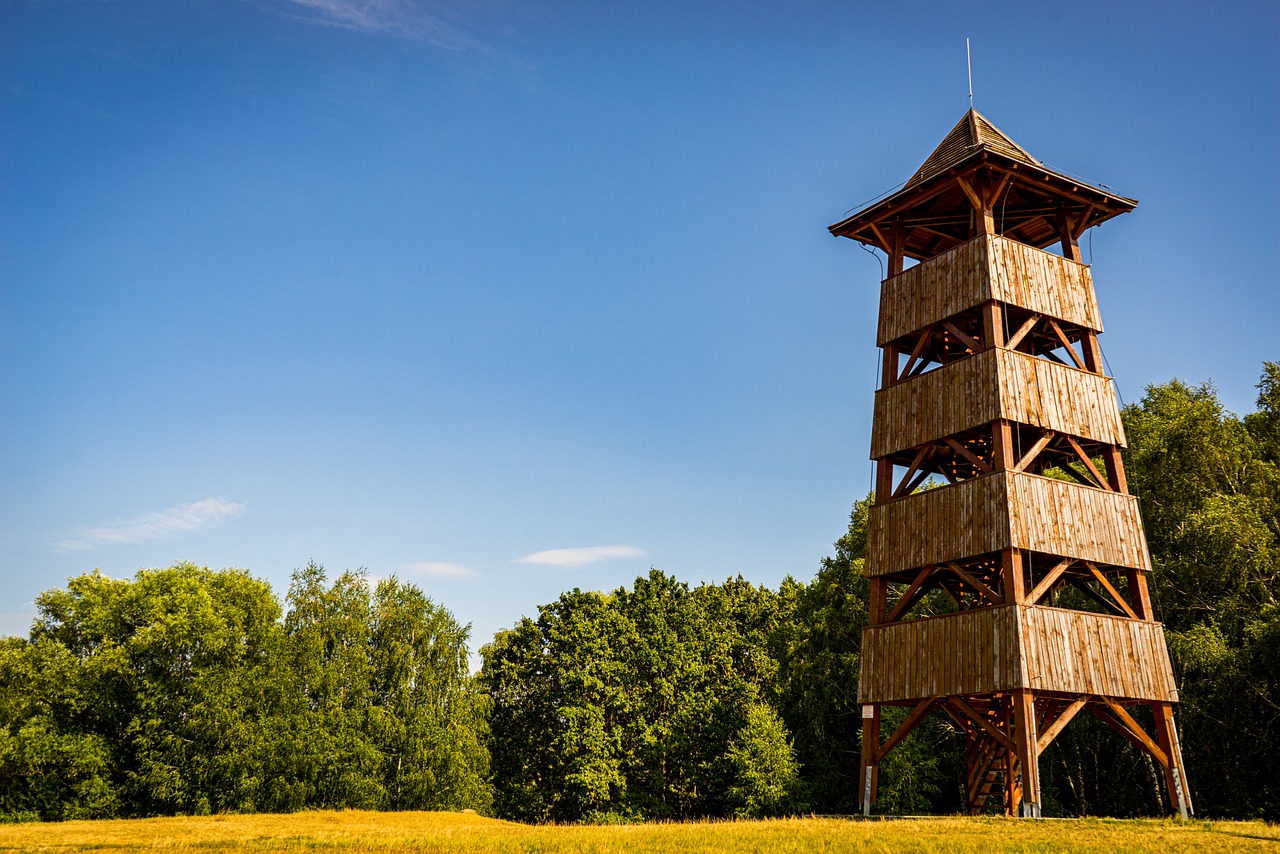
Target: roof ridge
pixel 972 132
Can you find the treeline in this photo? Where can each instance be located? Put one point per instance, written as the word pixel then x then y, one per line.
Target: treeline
pixel 188 691
pixel 183 691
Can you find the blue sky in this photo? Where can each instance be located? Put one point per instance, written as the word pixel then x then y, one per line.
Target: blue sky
pixel 511 298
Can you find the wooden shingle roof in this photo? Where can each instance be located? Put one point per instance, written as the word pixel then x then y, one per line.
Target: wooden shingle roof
pixel 972 132
pixel 934 210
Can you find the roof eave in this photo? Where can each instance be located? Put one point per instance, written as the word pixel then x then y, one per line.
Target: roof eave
pixel 937 182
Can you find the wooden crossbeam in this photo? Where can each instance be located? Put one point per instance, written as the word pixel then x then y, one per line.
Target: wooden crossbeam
pixel 1124 724
pixel 1064 718
pixel 974 199
pixel 880 236
pixel 1079 584
pixel 904 729
pixel 985 591
pixel 1088 463
pixel 1076 475
pixel 921 477
pixel 924 453
pixel 1052 357
pixel 1071 351
pixel 1027 326
pixel 979 463
pixel 1082 223
pixel 911 594
pixel 996 190
pixel 1111 591
pixel 1038 592
pixel 967 341
pixel 1030 456
pixel 981 720
pixel 915 351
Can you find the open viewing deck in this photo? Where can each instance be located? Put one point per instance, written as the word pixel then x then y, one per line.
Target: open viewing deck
pixel 988 267
pixel 1005 510
pixel 1004 648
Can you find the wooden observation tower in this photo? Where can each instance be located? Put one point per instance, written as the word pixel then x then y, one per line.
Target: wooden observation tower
pixel 993 391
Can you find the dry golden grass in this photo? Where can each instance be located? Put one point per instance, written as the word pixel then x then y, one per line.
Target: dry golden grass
pixel 457 832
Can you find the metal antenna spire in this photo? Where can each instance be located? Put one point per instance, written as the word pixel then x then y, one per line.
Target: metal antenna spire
pixel 969 59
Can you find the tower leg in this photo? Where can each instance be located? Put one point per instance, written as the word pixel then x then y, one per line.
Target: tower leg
pixel 1025 737
pixel 868 779
pixel 1175 775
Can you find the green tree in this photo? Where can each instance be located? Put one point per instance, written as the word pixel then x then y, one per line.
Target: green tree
pixel 625 705
pixel 762 762
pixel 1209 487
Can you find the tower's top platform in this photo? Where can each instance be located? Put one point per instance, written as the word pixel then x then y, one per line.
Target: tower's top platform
pixel 977 166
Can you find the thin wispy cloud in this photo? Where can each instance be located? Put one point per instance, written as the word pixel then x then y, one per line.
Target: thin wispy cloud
pixel 441 569
pixel 418 19
pixel 162 524
pixel 579 556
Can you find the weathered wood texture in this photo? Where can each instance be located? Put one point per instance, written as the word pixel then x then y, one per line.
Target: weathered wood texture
pixel 995 384
pixel 1005 510
pixel 1005 648
pixel 970 652
pixel 984 268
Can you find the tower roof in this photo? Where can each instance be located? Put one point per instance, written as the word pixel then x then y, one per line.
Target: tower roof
pixel 934 209
pixel 972 132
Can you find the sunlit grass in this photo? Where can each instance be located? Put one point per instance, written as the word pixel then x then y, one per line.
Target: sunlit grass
pixel 460 832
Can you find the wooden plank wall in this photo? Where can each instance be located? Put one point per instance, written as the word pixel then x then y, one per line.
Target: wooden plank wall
pixel 984 268
pixel 1058 397
pixel 953 398
pixel 967 653
pixel 934 290
pixel 966 519
pixel 989 385
pixel 1080 653
pixel 1073 520
pixel 1001 510
pixel 1043 282
pixel 1000 649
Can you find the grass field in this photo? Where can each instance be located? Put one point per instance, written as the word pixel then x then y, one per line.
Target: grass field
pixel 458 832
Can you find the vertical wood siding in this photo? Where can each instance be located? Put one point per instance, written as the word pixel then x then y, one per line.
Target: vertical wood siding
pixel 995 384
pixel 1004 648
pixel 1003 510
pixel 981 269
pixel 1072 520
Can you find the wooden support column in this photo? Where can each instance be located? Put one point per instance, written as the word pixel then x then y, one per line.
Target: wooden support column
pixel 1002 454
pixel 1011 573
pixel 1092 352
pixel 1175 775
pixel 1115 469
pixel 992 324
pixel 867 780
pixel 897 247
pixel 889 366
pixel 1139 595
pixel 1067 237
pixel 1026 737
pixel 984 218
pixel 884 480
pixel 879 600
